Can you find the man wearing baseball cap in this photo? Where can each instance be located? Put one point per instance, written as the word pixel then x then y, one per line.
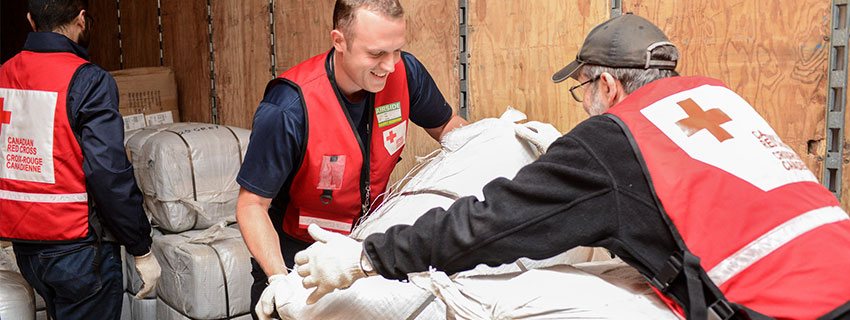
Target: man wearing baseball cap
pixel 678 176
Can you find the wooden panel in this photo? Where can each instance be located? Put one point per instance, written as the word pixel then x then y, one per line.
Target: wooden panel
pixel 242 53
pixel 139 33
pixel 772 53
pixel 516 46
pixel 185 42
pixel 302 30
pixel 432 36
pixel 104 49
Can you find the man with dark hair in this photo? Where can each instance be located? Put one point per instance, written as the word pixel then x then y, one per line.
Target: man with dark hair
pixel 326 137
pixel 67 191
pixel 678 176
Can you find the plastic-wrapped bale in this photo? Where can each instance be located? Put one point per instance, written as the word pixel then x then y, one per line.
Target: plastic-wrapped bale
pixel 206 274
pixel 596 290
pixel 187 172
pixel 138 309
pixel 16 297
pixel 451 172
pixel 166 312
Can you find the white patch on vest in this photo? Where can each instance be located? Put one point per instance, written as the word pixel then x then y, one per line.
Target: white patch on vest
pixel 338 226
pixel 26 148
pixel 394 137
pixel 754 153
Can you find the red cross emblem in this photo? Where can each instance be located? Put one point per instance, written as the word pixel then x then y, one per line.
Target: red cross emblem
pixel 391 137
pixel 5 116
pixel 699 119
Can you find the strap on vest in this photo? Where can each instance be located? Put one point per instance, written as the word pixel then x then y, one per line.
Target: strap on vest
pixel 703 304
pixel 840 313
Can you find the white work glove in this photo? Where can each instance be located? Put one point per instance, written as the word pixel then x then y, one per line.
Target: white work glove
pixel 274 297
pixel 148 269
pixel 333 262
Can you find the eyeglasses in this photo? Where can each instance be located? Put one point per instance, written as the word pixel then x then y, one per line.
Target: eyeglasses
pixel 578 94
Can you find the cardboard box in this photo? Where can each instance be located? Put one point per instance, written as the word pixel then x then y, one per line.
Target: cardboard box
pixel 147 96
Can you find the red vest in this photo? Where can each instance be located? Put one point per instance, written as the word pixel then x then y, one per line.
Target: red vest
pixel 42 185
pixel 334 185
pixel 765 232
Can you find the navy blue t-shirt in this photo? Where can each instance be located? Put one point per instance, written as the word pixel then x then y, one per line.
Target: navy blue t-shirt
pixel 277 139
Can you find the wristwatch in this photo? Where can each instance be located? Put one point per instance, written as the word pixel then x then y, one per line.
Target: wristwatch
pixel 366 265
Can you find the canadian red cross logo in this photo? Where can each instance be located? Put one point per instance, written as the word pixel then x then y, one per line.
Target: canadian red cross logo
pixel 699 119
pixel 5 116
pixel 391 137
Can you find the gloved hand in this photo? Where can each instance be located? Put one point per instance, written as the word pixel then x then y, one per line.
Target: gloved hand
pixel 333 262
pixel 274 297
pixel 148 269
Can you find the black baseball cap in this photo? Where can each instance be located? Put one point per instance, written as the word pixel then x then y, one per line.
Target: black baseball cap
pixel 622 42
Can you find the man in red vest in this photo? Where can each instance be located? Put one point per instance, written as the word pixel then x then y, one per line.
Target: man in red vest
pixel 678 176
pixel 327 135
pixel 68 197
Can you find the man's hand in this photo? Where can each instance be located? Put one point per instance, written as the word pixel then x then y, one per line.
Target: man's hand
pixel 275 297
pixel 333 262
pixel 148 269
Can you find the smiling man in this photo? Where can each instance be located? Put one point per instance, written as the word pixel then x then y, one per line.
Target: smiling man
pixel 327 135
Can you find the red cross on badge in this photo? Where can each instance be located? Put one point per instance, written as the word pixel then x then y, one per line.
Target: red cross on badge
pixel 5 116
pixel 699 119
pixel 391 137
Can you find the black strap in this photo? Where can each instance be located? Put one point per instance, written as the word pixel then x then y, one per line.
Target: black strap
pixel 671 270
pixel 840 313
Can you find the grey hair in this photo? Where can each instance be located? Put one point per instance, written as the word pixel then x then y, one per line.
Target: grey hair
pixel 634 78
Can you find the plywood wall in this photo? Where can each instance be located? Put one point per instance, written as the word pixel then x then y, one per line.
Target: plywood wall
pixel 104 48
pixel 139 33
pixel 516 46
pixel 302 30
pixel 772 53
pixel 242 52
pixel 186 49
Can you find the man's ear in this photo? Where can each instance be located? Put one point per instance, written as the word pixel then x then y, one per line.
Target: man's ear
pixel 608 87
pixel 338 39
pixel 80 20
pixel 32 23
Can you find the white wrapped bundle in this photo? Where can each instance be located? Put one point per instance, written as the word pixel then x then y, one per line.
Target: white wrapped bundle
pixel 16 297
pixel 455 171
pixel 187 172
pixel 206 274
pixel 587 291
pixel 138 309
pixel 165 312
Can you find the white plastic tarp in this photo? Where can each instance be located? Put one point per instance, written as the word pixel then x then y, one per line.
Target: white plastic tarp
pixel 456 170
pixel 594 290
pixel 16 297
pixel 187 172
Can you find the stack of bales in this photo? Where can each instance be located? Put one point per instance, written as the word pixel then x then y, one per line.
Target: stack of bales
pixel 187 173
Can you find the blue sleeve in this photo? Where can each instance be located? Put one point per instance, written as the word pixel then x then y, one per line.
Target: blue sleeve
pixel 428 107
pixel 93 99
pixel 277 141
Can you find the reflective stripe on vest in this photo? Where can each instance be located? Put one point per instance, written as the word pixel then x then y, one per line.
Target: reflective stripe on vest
pixel 772 240
pixel 43 197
